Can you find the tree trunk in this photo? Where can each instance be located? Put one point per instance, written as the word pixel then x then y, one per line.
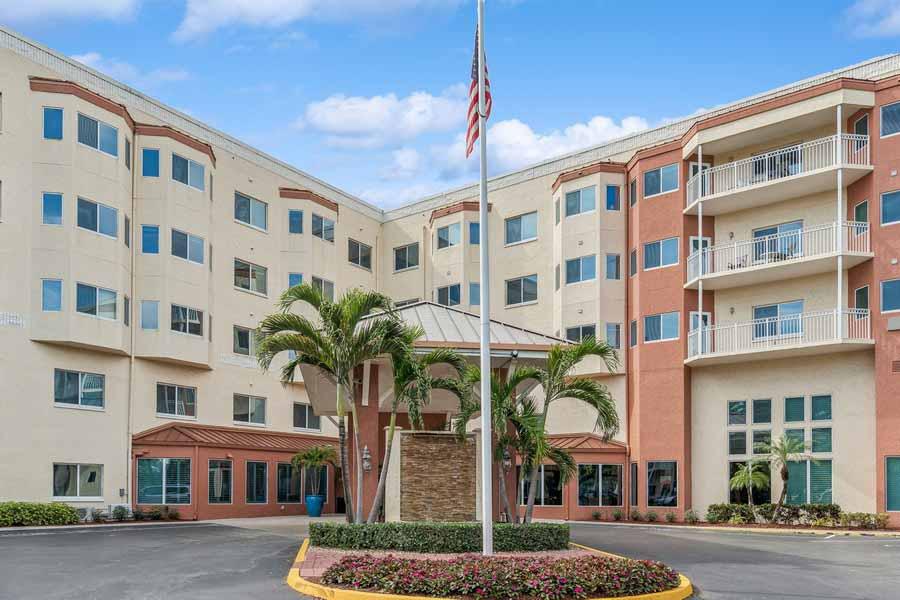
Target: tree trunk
pixel 784 483
pixel 345 462
pixel 511 515
pixel 358 515
pixel 382 478
pixel 532 491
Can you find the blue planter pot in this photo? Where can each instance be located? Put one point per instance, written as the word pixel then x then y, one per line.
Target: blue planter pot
pixel 314 505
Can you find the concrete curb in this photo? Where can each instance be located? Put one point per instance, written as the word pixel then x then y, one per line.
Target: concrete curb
pixel 760 530
pixel 100 527
pixel 304 586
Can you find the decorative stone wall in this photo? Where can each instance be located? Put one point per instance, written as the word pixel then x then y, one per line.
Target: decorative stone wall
pixel 437 477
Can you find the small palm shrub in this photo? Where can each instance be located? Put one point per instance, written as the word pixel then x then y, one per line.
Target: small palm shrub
pixel 692 517
pixel 636 515
pixel 120 513
pixel 617 514
pixel 670 517
pixel 97 515
pixel 596 515
pixel 652 517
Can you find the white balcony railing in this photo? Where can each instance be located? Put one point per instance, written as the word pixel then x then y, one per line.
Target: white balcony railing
pixel 779 248
pixel 845 149
pixel 786 331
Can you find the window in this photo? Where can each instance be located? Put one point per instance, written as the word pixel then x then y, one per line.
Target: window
pixel 612 198
pixel 890 119
pixel 522 228
pixel 613 268
pixel 150 162
pixel 187 246
pixel 793 409
pixel 126 310
pixel 737 412
pixel 474 294
pixel 248 276
pixel 127 154
pixel 890 207
pixel 580 332
pixel 556 277
pixel 661 253
pixel 175 400
pixel 323 228
pixel 359 254
pixel 583 268
pixel 77 482
pixel 762 439
pixel 556 210
pixel 188 172
pixel 762 411
pixel 662 483
pixel 295 221
pixel 599 485
pixel 249 409
pixel 890 295
pixel 549 492
pixel 821 408
pixel 798 435
pixel 448 236
pixel 251 211
pixel 127 232
pixel 98 135
pixel 661 327
pixel 53 123
pixel 150 239
pixel 51 295
pixel 244 341
pixel 295 279
pixel 406 257
pixel 809 482
pixel 739 496
pixel 633 334
pixel 892 483
pixel 660 181
pixel 73 388
pixel 98 218
pixel 325 287
pixel 149 314
pixel 164 481
pixel 474 233
pixel 257 478
pixel 187 320
pixel 95 301
pixel 581 201
pixel 632 192
pixel 304 418
pixel 861 212
pixel 774 320
pixel 821 439
pixel 632 263
pixel 521 290
pixel 402 303
pixel 51 208
pixel 220 481
pixel 633 492
pixel 448 295
pixel 290 482
pixel 861 125
pixel 737 442
pixel 614 335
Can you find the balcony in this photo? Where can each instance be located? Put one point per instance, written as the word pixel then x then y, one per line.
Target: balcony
pixel 785 255
pixel 820 332
pixel 795 171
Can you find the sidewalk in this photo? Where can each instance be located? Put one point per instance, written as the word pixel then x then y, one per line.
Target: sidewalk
pixel 763 530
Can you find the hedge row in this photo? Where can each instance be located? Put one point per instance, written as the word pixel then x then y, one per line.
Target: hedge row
pixel 820 515
pixel 36 513
pixel 438 537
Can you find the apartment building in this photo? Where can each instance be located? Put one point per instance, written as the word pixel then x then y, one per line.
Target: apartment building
pixel 743 261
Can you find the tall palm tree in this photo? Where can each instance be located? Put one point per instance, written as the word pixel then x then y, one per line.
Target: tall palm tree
pixel 558 382
pixel 338 341
pixel 413 383
pixel 753 474
pixel 782 452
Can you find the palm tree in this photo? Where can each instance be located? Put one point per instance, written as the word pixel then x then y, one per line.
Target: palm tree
pixel 336 344
pixel 315 458
pixel 749 476
pixel 413 383
pixel 558 383
pixel 782 452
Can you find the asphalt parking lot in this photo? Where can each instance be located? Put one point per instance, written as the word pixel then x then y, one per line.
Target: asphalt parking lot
pixel 250 559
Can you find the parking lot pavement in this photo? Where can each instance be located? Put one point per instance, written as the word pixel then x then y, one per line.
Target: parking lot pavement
pixel 731 566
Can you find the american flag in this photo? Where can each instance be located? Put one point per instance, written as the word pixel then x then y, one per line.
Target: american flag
pixel 472 131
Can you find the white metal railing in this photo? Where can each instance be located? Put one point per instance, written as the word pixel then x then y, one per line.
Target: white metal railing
pixel 818 240
pixel 781 332
pixel 845 149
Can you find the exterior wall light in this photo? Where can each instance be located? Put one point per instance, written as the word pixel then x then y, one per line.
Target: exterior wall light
pixel 366 459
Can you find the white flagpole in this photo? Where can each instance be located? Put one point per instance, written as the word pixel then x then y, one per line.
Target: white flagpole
pixel 487 488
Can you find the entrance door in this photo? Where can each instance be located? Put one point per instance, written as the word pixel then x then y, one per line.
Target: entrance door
pixel 700 345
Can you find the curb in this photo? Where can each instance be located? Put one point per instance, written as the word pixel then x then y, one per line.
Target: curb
pixel 759 530
pixel 39 529
pixel 316 590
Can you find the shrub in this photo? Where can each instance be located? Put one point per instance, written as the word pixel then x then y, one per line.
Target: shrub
pixel 766 512
pixel 438 537
pixel 738 519
pixel 502 577
pixel 155 514
pixel 815 512
pixel 861 520
pixel 636 515
pixel 652 516
pixel 719 513
pixel 670 517
pixel 120 513
pixel 596 515
pixel 97 515
pixel 173 515
pixel 744 513
pixel 13 514
pixel 692 517
pixel 138 513
pixel 617 514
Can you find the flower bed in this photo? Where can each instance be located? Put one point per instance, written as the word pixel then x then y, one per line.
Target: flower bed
pixel 502 577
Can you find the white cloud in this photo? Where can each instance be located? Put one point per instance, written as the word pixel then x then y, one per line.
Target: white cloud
pixel 203 17
pixel 393 196
pixel 375 121
pixel 406 162
pixel 43 10
pixel 129 73
pixel 874 18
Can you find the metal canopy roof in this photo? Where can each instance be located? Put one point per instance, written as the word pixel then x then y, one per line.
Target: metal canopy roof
pixel 196 434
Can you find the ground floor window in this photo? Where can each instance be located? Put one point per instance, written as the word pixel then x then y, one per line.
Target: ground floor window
pixel 809 482
pixel 892 483
pixel 220 482
pixel 549 490
pixel 599 485
pixel 164 481
pixel 257 476
pixel 289 484
pixel 315 482
pixel 662 483
pixel 73 481
pixel 739 496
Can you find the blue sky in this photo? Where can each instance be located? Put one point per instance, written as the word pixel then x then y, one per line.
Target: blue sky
pixel 369 95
